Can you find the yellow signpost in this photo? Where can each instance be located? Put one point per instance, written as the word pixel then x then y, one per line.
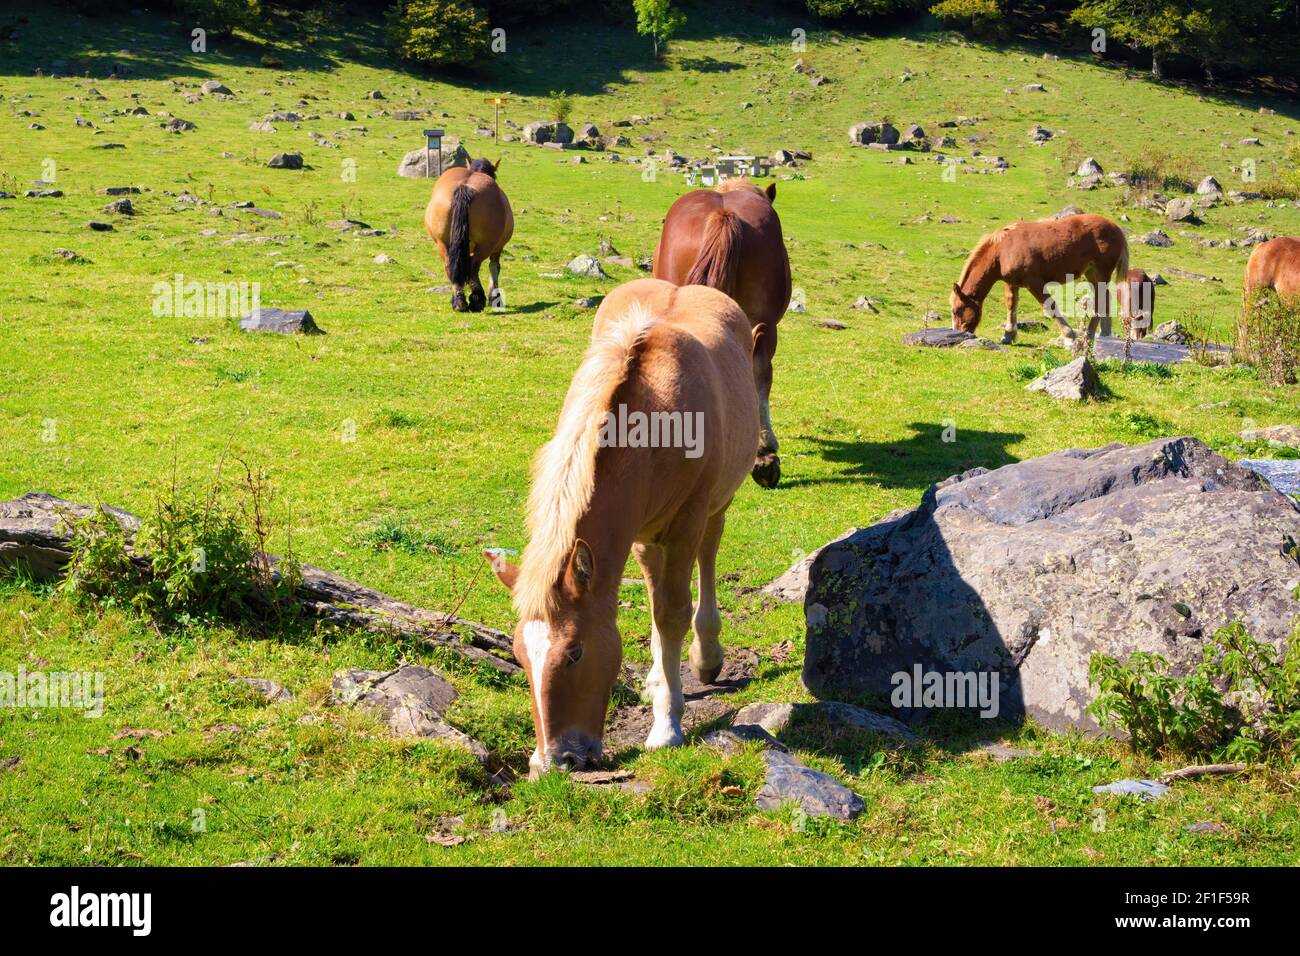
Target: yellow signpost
pixel 496 101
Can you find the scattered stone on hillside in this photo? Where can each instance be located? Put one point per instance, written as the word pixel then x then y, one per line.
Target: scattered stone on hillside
pixel 1089 167
pixel 588 131
pixel 411 700
pixel 1153 350
pixel 1040 134
pixel 1026 571
pixel 422 163
pixel 1251 141
pixel 120 191
pixel 261 126
pixel 587 266
pixel 862 302
pixel 1156 237
pixel 347 117
pixel 282 321
pixel 122 207
pixel 408 115
pixel 44 194
pixel 863 134
pixel 981 343
pixel 384 259
pixel 1209 186
pixel 178 125
pixel 1274 435
pixel 96 226
pixel 282 116
pixel 1073 382
pixel 269 689
pixel 733 739
pixel 374 95
pixel 68 254
pixel 588 302
pixel 1194 276
pixel 1143 789
pixel 1181 209
pixel 619 779
pixel 834 325
pixel 1206 826
pixel 914 131
pixel 1172 331
pixel 344 225
pixel 941 338
pixel 1282 474
pixel 285 161
pixel 1001 753
pixel 110 146
pixel 216 86
pixel 547 131
pixel 776 719
pixel 817 794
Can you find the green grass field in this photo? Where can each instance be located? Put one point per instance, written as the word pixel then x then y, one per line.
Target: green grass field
pixel 408 422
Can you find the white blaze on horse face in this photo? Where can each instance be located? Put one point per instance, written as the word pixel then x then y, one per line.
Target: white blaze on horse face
pixel 537 644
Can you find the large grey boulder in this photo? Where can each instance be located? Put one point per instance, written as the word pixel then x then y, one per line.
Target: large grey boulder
pixel 864 134
pixel 419 163
pixel 815 793
pixel 281 321
pixel 1026 571
pixel 1073 381
pixel 547 131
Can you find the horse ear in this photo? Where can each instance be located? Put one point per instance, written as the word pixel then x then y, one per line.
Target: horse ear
pixel 582 564
pixel 497 165
pixel 956 289
pixel 506 572
pixel 771 192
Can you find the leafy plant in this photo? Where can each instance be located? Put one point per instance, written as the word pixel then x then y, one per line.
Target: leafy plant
pixel 658 20
pixel 1141 424
pixel 438 32
pixel 1268 334
pixel 561 106
pixel 1241 702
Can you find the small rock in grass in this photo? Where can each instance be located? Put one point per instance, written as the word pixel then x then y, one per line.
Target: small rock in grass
pixel 1073 382
pixel 285 161
pixel 587 266
pixel 284 322
pixel 817 794
pixel 269 689
pixel 1143 789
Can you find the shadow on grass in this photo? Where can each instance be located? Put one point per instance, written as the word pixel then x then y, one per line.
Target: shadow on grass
pixel 932 452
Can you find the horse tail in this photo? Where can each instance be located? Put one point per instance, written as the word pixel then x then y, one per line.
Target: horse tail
pixel 458 240
pixel 1123 294
pixel 719 258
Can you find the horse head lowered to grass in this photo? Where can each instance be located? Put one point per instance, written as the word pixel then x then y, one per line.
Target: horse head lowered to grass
pixel 661 356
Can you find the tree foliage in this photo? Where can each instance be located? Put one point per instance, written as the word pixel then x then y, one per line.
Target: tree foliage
pixel 438 32
pixel 657 19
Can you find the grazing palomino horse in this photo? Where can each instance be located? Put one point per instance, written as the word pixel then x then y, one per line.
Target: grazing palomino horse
pixel 1275 265
pixel 679 361
pixel 469 217
pixel 1034 255
pixel 1141 293
pixel 729 238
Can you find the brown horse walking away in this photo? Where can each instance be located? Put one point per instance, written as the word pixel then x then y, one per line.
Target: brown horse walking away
pixel 1041 256
pixel 654 439
pixel 469 217
pixel 1275 265
pixel 729 238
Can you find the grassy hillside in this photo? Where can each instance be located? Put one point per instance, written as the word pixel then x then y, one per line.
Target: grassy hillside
pixel 408 414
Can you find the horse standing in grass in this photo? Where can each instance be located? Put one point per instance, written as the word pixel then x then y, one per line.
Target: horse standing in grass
pixel 1141 293
pixel 729 238
pixel 681 360
pixel 1035 255
pixel 1275 265
pixel 469 217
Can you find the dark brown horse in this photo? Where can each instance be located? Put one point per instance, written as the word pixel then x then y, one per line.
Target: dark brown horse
pixel 469 217
pixel 1275 265
pixel 729 238
pixel 1141 293
pixel 1044 257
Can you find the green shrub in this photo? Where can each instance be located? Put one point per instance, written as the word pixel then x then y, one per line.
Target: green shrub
pixel 221 17
pixel 1141 425
pixel 1283 182
pixel 194 556
pixel 864 9
pixel 561 106
pixel 1268 336
pixel 975 14
pixel 1241 702
pixel 438 32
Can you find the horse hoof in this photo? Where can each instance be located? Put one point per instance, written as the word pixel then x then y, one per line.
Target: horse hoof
pixel 477 302
pixel 458 304
pixel 1007 339
pixel 707 675
pixel 664 735
pixel 767 470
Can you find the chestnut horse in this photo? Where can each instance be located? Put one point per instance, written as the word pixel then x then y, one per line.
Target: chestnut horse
pixel 729 238
pixel 1036 255
pixel 469 217
pixel 602 487
pixel 1275 265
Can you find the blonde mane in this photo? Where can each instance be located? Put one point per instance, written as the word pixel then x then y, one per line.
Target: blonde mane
pixel 992 239
pixel 564 471
pixel 736 182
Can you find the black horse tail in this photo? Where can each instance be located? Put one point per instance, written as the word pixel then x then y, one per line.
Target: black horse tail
pixel 458 244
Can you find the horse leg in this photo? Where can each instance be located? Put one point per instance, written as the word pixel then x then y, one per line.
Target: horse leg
pixel 495 298
pixel 767 464
pixel 706 650
pixel 458 303
pixel 1009 330
pixel 1052 308
pixel 667 571
pixel 477 297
